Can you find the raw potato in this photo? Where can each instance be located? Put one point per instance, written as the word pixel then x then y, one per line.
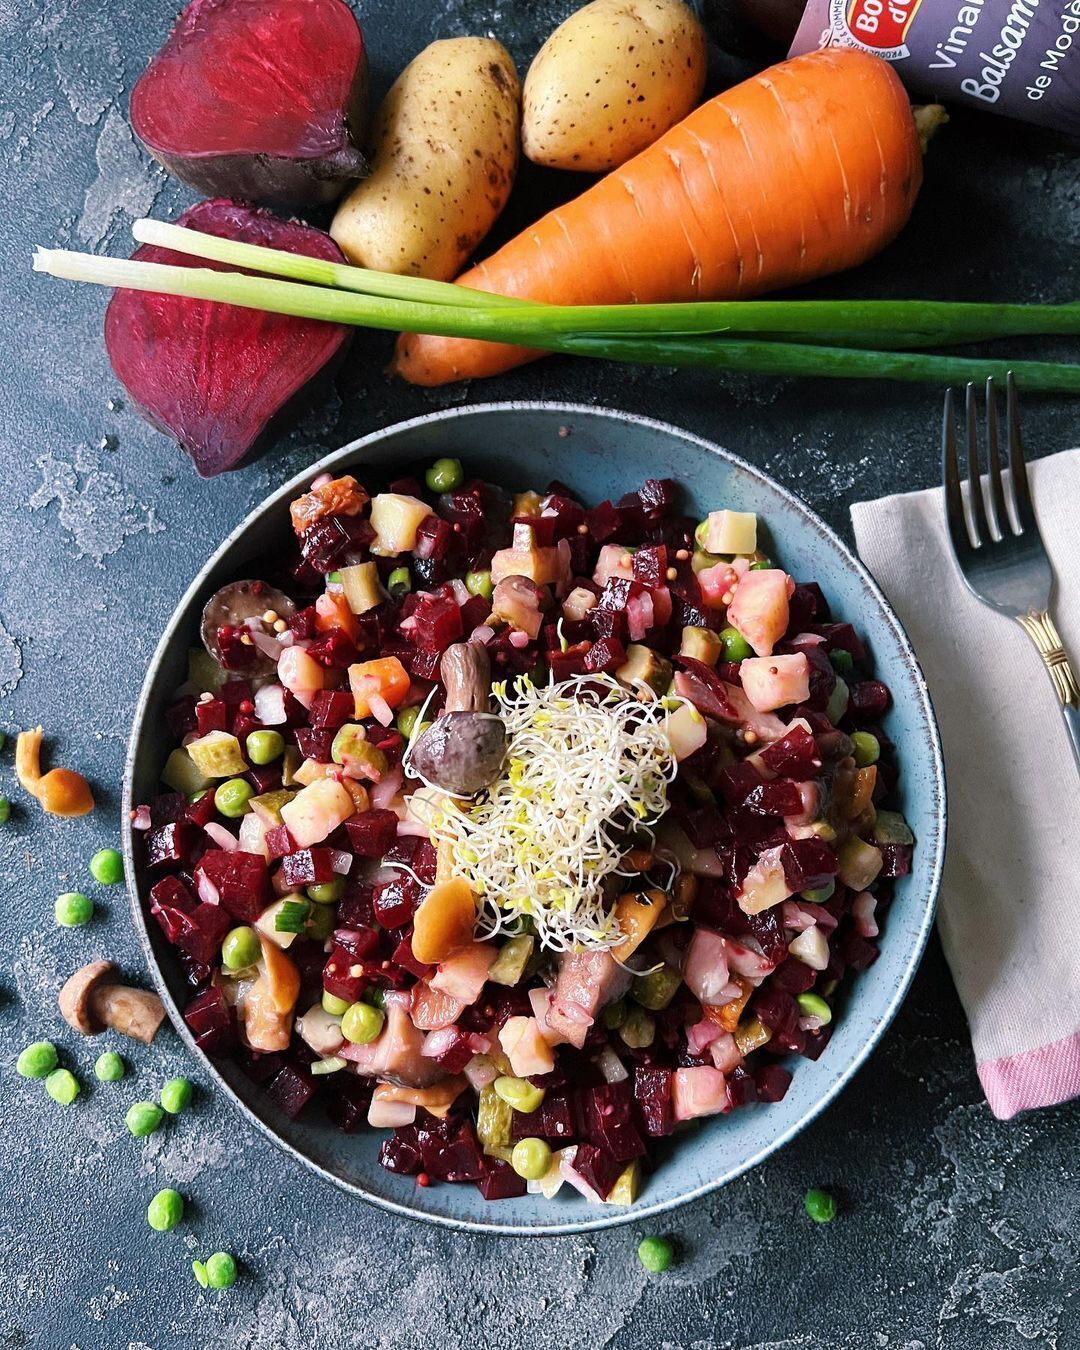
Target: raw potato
pixel 611 80
pixel 446 152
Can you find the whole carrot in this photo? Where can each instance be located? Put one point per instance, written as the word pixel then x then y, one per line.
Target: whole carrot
pixel 806 169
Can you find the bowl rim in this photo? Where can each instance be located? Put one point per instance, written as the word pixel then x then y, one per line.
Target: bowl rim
pixel 611 1218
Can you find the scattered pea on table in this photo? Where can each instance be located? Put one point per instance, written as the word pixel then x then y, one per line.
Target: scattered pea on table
pixel 109 1067
pixel 37 1060
pixel 62 1086
pixel 655 1254
pixel 143 1118
pixel 165 1211
pixel 820 1206
pixel 107 867
pixel 176 1095
pixel 73 909
pixel 220 1270
pixel 5 810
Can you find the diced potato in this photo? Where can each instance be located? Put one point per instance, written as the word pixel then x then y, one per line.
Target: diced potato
pixel 860 864
pixel 395 519
pixel 541 565
pixel 578 603
pixel 771 682
pixel 728 532
pixel 687 730
pixel 360 582
pixel 182 774
pixel 268 918
pixel 811 947
pixel 290 762
pixel 701 643
pixel 217 755
pixel 316 811
pixel 627 1185
pixel 514 955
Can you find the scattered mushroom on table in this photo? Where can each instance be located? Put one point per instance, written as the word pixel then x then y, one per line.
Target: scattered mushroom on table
pixel 91 1001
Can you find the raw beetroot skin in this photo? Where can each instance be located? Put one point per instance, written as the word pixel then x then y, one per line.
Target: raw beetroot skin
pixel 260 99
pixel 214 376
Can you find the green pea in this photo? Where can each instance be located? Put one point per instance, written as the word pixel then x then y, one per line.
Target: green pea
pixel 5 810
pixel 842 661
pixel 820 1205
pixel 445 475
pixel 376 997
pixel 176 1095
pixel 519 1093
pixel 531 1158
pixel 480 583
pixel 109 1067
pixel 165 1211
pixel 107 867
pixel 336 1007
pixel 362 1023
pixel 399 582
pixel 263 747
pixel 37 1060
pixel 655 1254
pixel 406 720
pixel 733 646
pixel 232 797
pixel 143 1118
pixel 220 1270
pixel 821 894
pixel 813 1005
pixel 867 748
pixel 62 1086
pixel 200 1273
pixel 73 909
pixel 240 948
pixel 321 922
pixel 327 892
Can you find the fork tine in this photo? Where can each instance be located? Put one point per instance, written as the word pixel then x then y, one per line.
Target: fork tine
pixel 980 528
pixel 1021 494
pixel 954 500
pixel 999 516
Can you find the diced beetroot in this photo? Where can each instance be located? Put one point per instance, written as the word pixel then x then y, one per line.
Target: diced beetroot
pixel 424 665
pixel 896 860
pixel 858 952
pixel 816 1041
pixel 794 755
pixel 777 1010
pixel 170 902
pixel 358 943
pixel 433 538
pixel 241 880
pixel 200 813
pixel 616 594
pixel 605 1119
pixel 195 972
pixel 308 867
pixel 808 863
pixel 171 846
pixel 347 1102
pixel 279 842
pixel 565 513
pixel 657 497
pixel 869 698
pixel 738 781
pixel 598 1168
pixel 291 1090
pixel 603 521
pixel 372 832
pixel 332 708
pixel 302 623
pixel 777 798
pixel 600 624
pixel 168 807
pixel 403 957
pixel 210 1019
pixel 771 1082
pixel 500 1181
pixel 328 543
pixel 236 654
pixel 180 717
pixel 768 929
pixel 452 1156
pixel 438 623
pixel 215 376
pixel 334 649
pixel 473 613
pixel 553 1119
pixel 741 1088
pixel 793 977
pixel 842 637
pixel 401 1152
pixel 607 654
pixel 315 745
pixel 265 778
pixel 565 665
pixel 395 901
pixel 343 974
pixel 650 565
pixel 652 1092
pixel 356 909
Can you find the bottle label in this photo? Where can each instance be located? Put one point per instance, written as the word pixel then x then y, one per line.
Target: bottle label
pixel 1016 57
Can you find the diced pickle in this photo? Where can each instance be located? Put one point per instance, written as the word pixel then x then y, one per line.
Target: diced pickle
pixel 267 805
pixel 182 774
pixel 290 762
pixel 702 644
pixel 513 957
pixel 644 669
pixel 204 673
pixel 494 1121
pixel 352 749
pixel 217 755
pixel 656 989
pixel 627 1185
pixel 614 1015
pixel 891 828
pixel 751 1035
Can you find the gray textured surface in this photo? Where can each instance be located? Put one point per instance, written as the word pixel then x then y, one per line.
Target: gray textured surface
pixel 956 1231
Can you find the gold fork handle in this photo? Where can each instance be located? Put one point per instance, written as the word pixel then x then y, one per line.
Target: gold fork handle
pixel 1040 627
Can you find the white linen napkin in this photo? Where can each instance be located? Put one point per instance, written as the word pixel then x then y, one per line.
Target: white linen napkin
pixel 1009 911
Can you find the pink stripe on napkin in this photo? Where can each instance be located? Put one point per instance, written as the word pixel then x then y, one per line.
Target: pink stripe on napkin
pixel 1042 1077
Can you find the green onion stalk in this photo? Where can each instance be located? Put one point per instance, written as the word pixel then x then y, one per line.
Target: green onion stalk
pixel 780 337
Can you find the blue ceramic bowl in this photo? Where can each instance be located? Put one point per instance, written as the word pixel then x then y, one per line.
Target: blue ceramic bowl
pixel 600 453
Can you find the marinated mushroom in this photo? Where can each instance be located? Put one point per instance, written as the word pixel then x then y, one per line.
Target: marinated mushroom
pixel 61 792
pixel 229 609
pixel 91 1002
pixel 463 750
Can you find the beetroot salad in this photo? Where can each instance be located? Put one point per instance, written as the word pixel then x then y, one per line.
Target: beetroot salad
pixel 525 831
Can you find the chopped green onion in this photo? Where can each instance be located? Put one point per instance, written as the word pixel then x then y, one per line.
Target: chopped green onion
pixel 292 917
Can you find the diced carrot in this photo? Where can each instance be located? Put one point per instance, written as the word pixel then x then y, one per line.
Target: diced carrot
pixel 332 611
pixel 386 677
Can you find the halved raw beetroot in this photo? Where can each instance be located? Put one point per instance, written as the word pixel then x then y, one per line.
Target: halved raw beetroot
pixel 215 376
pixel 260 99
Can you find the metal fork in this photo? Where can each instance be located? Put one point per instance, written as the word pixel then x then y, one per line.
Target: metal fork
pixel 996 540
